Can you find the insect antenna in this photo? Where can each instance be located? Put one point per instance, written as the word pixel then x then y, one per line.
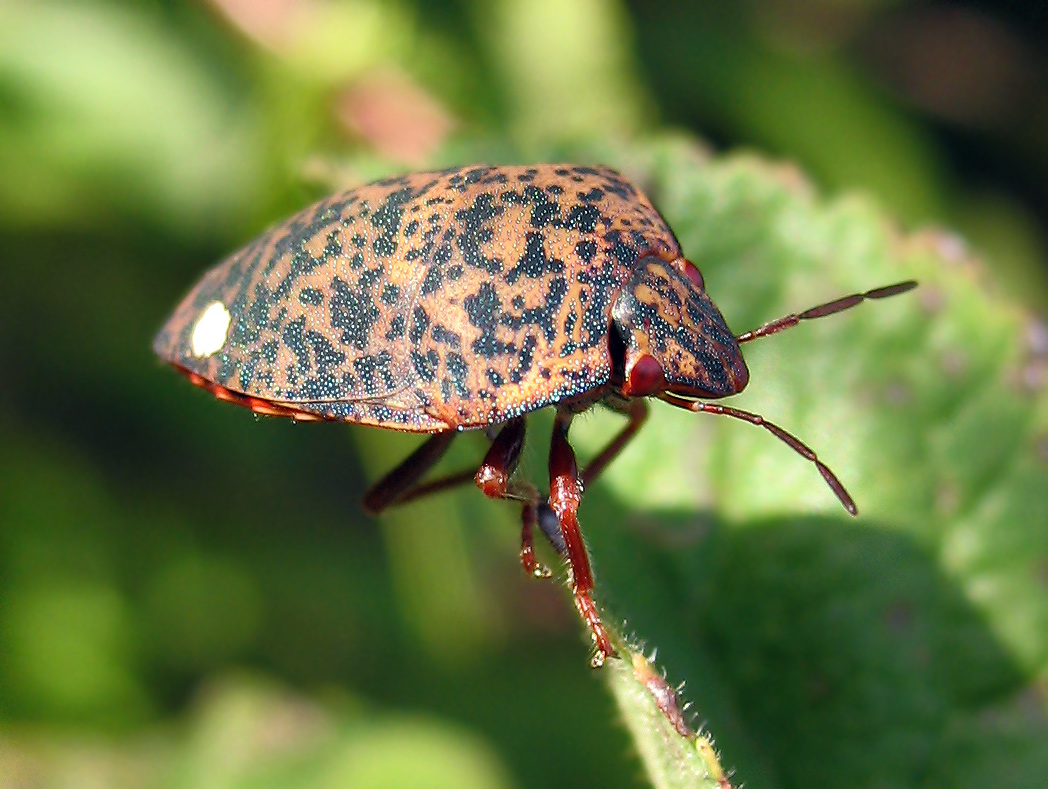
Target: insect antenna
pixel 791 440
pixel 835 306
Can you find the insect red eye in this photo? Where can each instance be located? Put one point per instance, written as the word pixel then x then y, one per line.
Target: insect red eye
pixel 694 275
pixel 646 378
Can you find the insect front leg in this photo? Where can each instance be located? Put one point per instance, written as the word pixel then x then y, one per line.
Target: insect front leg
pixel 637 411
pixel 564 497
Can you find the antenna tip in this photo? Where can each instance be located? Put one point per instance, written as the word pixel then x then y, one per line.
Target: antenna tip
pixel 892 290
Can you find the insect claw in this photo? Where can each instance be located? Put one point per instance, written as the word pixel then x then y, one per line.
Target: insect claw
pixel 541 571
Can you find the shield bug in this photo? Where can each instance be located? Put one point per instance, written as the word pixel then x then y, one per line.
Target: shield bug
pixel 465 299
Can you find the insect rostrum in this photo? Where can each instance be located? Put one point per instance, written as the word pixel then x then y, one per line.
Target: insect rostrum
pixel 467 298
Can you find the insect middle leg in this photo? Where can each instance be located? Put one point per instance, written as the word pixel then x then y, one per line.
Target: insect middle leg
pixel 495 479
pixel 637 411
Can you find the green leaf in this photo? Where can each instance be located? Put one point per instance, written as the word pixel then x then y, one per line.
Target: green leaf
pixel 124 119
pixel 903 647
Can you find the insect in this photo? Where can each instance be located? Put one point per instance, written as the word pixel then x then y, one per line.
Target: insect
pixel 464 299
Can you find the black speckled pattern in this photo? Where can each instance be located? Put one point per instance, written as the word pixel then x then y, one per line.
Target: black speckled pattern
pixel 660 313
pixel 431 301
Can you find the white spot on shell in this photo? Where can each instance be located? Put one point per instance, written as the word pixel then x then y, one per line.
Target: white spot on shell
pixel 209 333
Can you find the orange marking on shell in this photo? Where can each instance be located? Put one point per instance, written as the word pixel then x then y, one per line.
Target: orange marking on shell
pixel 429 301
pixel 264 408
pixel 224 394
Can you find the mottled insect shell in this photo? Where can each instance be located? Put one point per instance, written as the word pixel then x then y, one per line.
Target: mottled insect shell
pixel 458 298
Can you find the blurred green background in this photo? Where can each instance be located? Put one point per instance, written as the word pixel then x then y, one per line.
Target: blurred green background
pixel 190 595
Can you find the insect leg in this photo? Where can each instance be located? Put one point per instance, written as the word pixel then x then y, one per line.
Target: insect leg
pixel 494 478
pixel 396 486
pixel 399 485
pixel 550 528
pixel 564 496
pixel 531 565
pixel 637 411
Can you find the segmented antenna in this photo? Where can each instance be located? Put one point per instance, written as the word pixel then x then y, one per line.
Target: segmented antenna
pixel 773 327
pixel 830 308
pixel 791 440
